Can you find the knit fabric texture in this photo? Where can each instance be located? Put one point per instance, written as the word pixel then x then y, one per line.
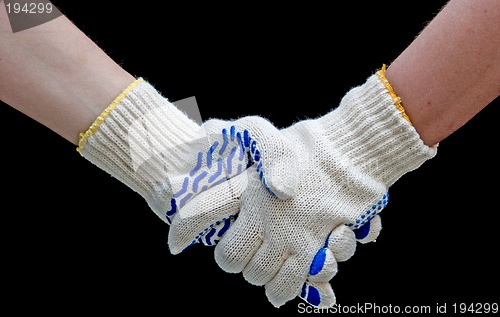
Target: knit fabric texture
pixel 147 143
pixel 346 161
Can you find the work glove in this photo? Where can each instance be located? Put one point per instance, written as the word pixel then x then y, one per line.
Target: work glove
pixel 345 162
pixel 154 148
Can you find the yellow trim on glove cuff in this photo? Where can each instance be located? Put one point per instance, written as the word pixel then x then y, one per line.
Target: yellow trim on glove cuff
pixel 100 119
pixel 395 98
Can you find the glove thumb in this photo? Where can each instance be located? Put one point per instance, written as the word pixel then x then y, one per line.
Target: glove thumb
pixel 270 151
pixel 207 216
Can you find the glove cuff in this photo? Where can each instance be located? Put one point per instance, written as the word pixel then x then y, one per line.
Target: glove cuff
pixel 140 139
pixel 370 129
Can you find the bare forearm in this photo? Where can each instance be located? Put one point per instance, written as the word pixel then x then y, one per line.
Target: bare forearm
pixel 56 75
pixel 451 70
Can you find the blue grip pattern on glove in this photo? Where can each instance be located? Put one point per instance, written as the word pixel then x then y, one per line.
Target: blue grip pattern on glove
pixel 223 160
pixel 314 295
pixel 359 225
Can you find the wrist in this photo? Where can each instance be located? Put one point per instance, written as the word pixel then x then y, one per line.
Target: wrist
pixel 371 131
pixel 144 141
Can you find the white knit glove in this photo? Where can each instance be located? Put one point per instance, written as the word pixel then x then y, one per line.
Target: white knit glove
pixel 154 148
pixel 346 162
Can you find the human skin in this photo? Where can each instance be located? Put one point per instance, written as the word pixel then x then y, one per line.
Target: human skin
pixel 58 76
pixel 451 71
pixel 396 263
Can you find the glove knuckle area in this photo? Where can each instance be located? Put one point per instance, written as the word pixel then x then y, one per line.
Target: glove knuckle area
pixel 256 124
pixel 235 250
pixel 264 265
pixel 267 136
pixel 342 243
pixel 288 281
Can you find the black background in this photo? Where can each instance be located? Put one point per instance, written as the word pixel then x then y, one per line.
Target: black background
pixel 77 241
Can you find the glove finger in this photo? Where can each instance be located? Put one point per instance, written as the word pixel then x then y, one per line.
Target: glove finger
pixel 272 154
pixel 323 267
pixel 342 243
pixel 206 217
pixel 264 265
pixel 340 246
pixel 368 225
pixel 239 244
pixel 369 231
pixel 318 294
pixel 288 282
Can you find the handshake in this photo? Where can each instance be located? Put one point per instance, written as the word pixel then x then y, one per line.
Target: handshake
pixel 282 207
